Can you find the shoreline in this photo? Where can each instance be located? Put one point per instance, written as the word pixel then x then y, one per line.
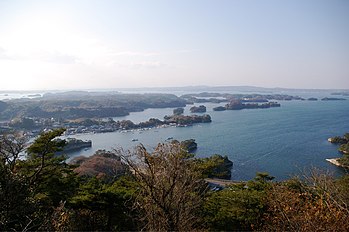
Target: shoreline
pixel 334 161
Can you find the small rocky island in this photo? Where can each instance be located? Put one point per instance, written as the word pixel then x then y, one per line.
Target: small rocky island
pixel 219 108
pixel 239 105
pixel 198 109
pixel 178 111
pixel 187 120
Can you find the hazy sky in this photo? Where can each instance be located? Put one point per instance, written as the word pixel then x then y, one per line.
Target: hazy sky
pixel 88 44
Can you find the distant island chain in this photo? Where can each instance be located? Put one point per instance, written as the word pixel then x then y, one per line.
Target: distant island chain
pixel 93 112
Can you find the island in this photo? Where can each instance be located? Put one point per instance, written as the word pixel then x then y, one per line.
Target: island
pixel 186 120
pixel 219 108
pixel 198 109
pixel 238 105
pixel 178 111
pixel 312 99
pixel 341 93
pixel 332 99
pixel 227 97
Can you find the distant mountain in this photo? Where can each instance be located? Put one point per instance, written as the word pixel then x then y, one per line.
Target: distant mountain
pixel 203 88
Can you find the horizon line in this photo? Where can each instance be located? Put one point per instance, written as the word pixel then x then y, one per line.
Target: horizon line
pixel 170 87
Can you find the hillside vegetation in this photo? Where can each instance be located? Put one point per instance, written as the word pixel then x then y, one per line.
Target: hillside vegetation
pixel 80 104
pixel 161 190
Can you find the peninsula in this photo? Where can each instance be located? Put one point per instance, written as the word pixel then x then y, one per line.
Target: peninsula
pixel 343 148
pixel 73 144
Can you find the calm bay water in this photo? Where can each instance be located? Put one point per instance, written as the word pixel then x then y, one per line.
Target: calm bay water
pixel 283 141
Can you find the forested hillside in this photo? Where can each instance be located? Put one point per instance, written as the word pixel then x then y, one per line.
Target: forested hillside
pixel 163 190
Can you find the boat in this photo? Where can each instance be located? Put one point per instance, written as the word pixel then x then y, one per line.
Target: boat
pixel 134 140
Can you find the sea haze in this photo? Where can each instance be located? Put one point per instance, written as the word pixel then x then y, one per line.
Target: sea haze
pixel 284 141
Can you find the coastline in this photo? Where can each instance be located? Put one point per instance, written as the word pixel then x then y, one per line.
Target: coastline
pixel 334 161
pixel 239 129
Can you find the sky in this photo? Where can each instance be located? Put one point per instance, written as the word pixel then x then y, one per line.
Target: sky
pixel 90 44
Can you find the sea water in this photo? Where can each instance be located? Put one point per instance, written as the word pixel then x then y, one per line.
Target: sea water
pixel 283 141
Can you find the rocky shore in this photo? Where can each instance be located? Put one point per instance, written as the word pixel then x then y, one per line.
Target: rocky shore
pixel 95 126
pixel 335 161
pixel 343 148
